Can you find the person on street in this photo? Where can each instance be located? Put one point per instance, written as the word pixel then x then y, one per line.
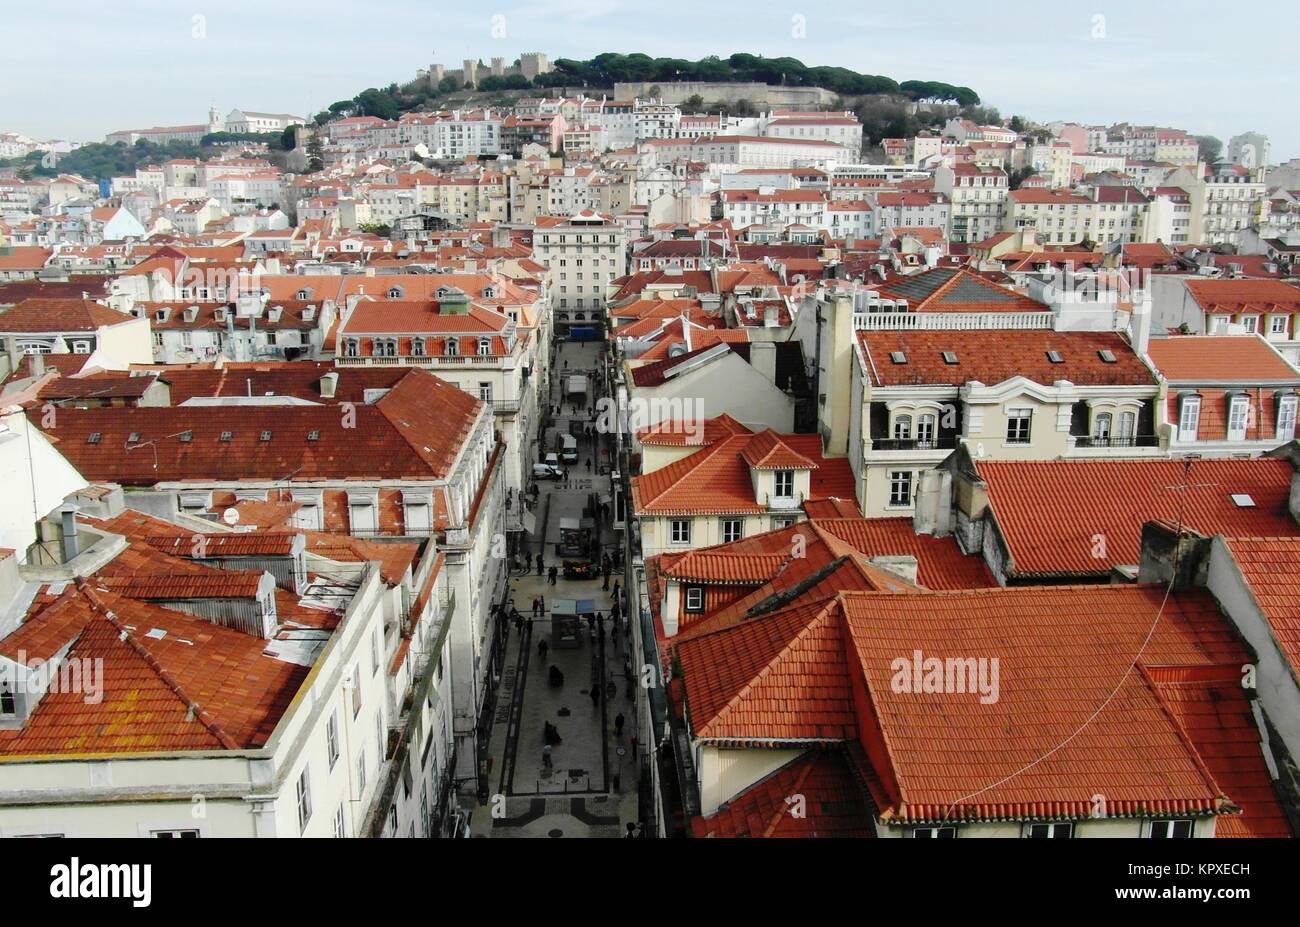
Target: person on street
pixel 546 758
pixel 618 725
pixel 588 464
pixel 553 574
pixel 540 564
pixel 595 697
pixel 542 648
pixel 614 594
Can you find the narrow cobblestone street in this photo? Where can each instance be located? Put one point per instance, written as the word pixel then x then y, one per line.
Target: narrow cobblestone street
pixel 589 790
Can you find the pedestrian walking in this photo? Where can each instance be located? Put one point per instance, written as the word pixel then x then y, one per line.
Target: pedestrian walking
pixel 605 584
pixel 540 564
pixel 536 609
pixel 618 725
pixel 546 758
pixel 615 593
pixel 552 575
pixel 588 464
pixel 613 631
pixel 595 696
pixel 542 648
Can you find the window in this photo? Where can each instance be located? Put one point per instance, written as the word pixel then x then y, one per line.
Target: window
pixel 361 771
pixel 1238 416
pixel 351 347
pixel 1127 428
pixel 731 530
pixel 484 347
pixel 417 347
pixel 485 392
pixel 1018 421
pixel 1250 323
pixel 925 427
pixel 1170 829
pixel 1286 416
pixel 341 821
pixel 1101 428
pixel 680 531
pixel 902 427
pixel 174 834
pixel 332 738
pixel 784 482
pixel 304 799
pixel 1062 830
pixel 380 740
pixel 1189 418
pixel 1278 325
pixel 900 487
pixel 695 599
pixel 935 832
pixel 354 681
pixel 453 347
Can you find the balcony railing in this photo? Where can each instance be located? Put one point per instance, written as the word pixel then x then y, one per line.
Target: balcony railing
pixel 951 321
pixel 346 360
pixel 1117 441
pixel 912 444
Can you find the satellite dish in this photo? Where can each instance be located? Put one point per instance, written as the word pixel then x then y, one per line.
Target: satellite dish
pixel 230 517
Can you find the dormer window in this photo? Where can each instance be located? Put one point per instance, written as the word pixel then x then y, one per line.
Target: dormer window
pixel 162 315
pixel 191 313
pixel 1238 417
pixel 220 314
pixel 351 348
pixel 453 347
pixel 302 294
pixel 417 347
pixel 395 292
pixel 1286 417
pixel 1189 418
pixel 489 292
pixel 484 347
pixel 783 480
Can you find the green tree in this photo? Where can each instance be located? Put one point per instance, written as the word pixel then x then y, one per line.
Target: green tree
pixel 1208 148
pixel 315 155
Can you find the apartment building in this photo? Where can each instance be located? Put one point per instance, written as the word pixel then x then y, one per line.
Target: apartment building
pixel 1226 394
pixel 976 196
pixel 584 253
pixel 1099 214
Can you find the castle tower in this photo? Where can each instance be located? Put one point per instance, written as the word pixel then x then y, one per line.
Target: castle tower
pixel 470 74
pixel 216 122
pixel 498 67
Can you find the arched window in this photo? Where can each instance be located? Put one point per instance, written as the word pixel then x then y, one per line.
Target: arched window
pixel 1101 428
pixel 395 292
pixel 925 429
pixel 453 347
pixel 484 346
pixel 902 427
pixel 1127 428
pixel 417 347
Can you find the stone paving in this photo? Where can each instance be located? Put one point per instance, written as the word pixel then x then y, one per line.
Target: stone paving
pixel 590 790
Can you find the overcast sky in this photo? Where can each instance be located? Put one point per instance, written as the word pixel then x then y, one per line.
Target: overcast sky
pixel 78 69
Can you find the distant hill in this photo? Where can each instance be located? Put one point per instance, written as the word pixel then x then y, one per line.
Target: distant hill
pixel 605 70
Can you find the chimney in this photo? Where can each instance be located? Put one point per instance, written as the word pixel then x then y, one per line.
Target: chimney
pixel 1166 555
pixel 37 364
pixel 903 566
pixel 329 385
pixel 762 357
pixel 671 608
pixel 68 520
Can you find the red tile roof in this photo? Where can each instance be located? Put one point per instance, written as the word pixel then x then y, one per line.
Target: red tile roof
pixel 1046 749
pixel 834 803
pixel 1269 566
pixel 716 479
pixel 416 430
pixel 1219 359
pixel 59 315
pixel 994 356
pixel 1081 518
pixel 1233 296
